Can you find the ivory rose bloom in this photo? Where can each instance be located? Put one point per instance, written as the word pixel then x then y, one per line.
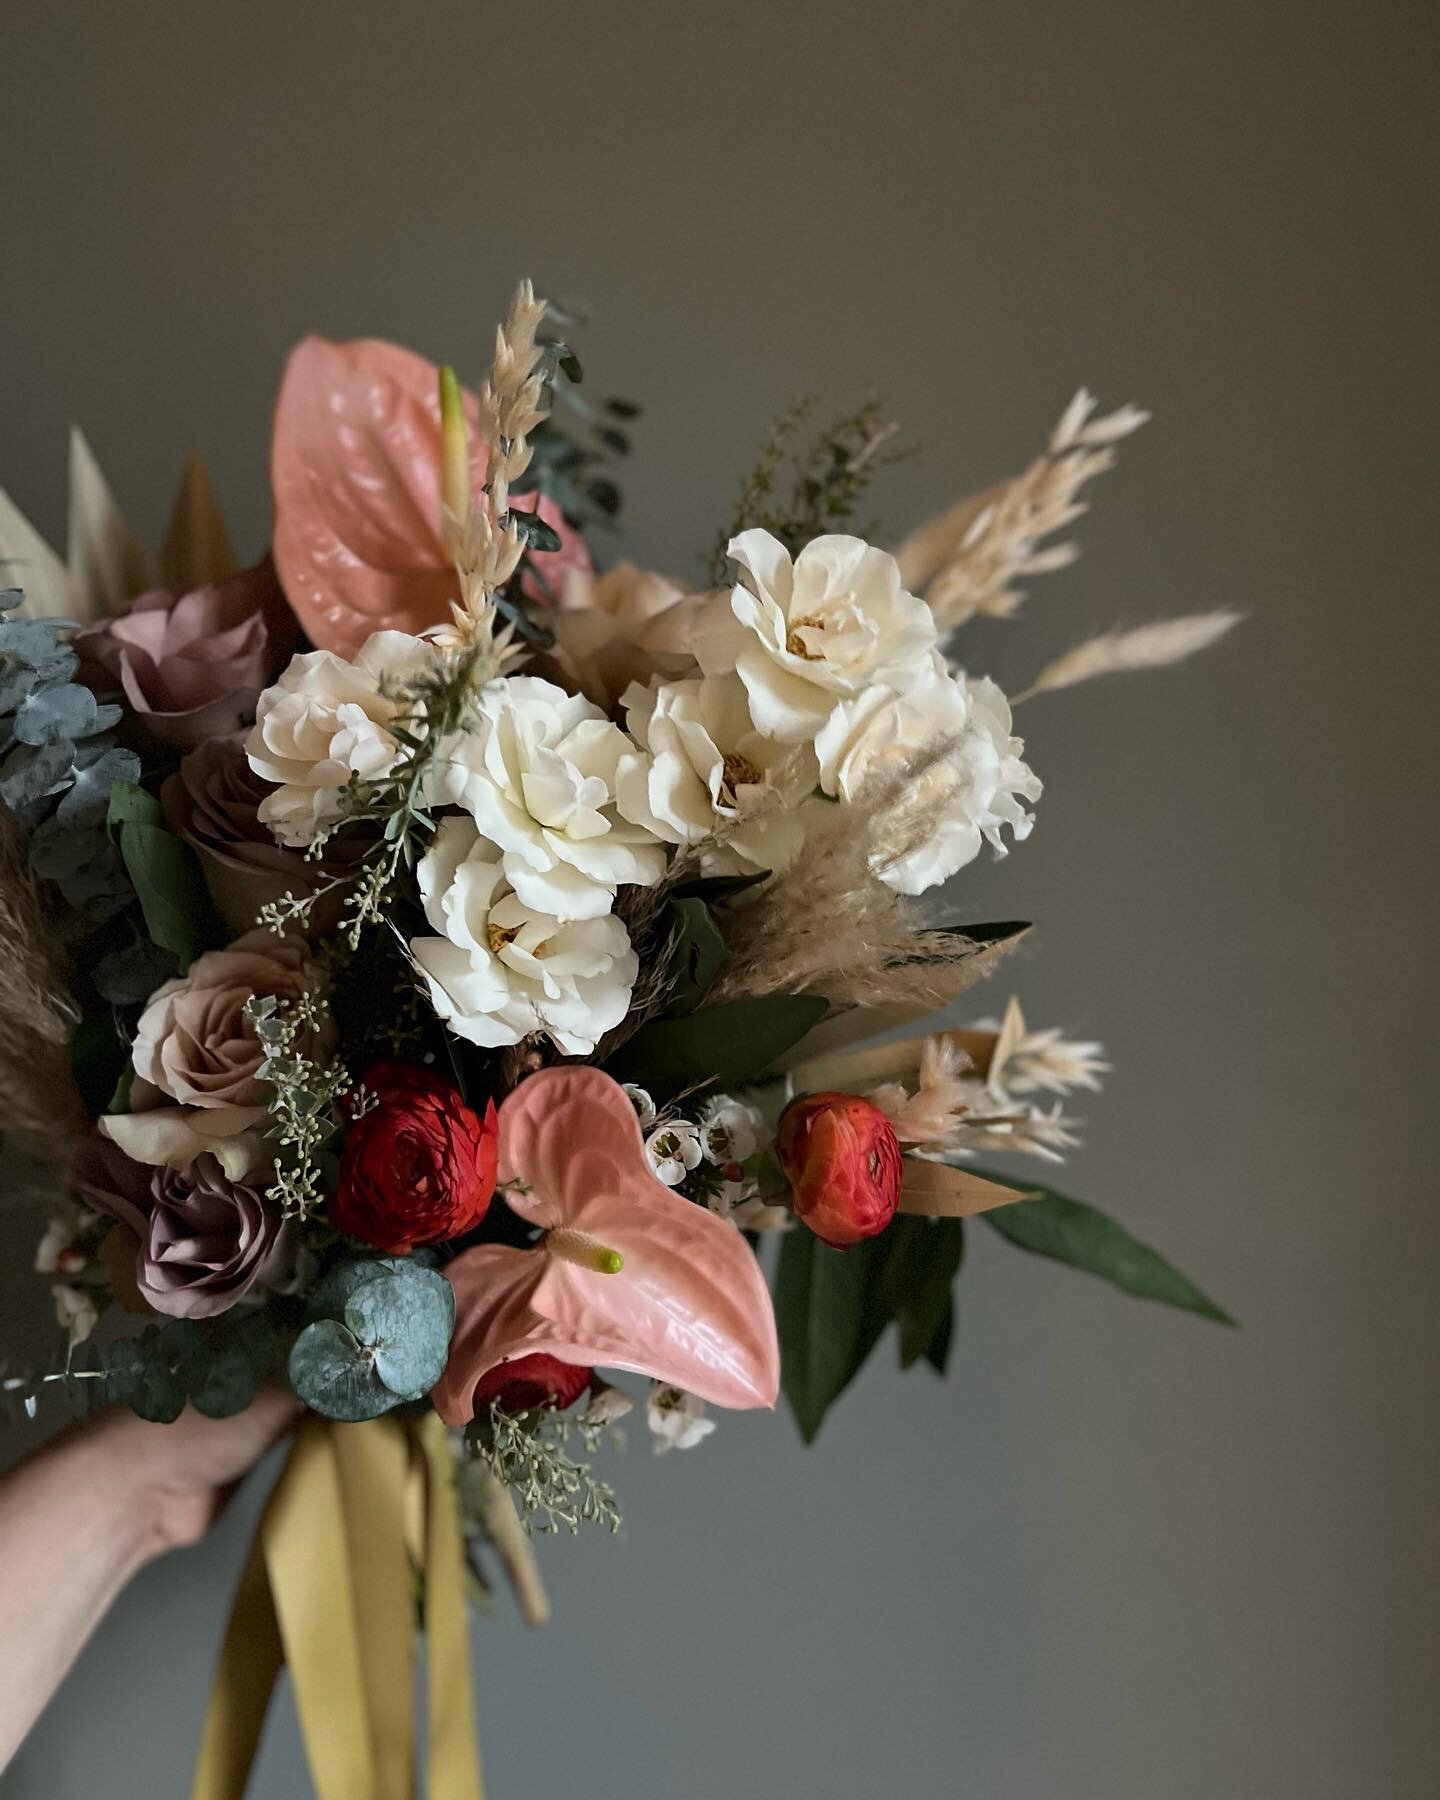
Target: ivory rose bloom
pixel 537 772
pixel 325 720
pixel 625 625
pixel 197 1059
pixel 965 797
pixel 500 970
pixel 808 633
pixel 702 766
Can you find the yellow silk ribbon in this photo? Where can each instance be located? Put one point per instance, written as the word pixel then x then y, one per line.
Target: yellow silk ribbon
pixel 363 1518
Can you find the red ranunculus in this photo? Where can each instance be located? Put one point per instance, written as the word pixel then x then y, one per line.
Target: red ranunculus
pixel 842 1159
pixel 418 1167
pixel 530 1381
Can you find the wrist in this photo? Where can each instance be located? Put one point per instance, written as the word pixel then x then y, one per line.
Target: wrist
pixel 125 1463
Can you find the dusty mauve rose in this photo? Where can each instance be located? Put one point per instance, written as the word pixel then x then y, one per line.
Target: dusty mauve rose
pixel 201 1240
pixel 191 666
pixel 195 1047
pixel 843 1162
pixel 418 1167
pixel 211 802
pixel 530 1381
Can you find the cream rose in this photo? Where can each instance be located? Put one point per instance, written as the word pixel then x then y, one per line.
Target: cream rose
pixel 500 970
pixel 537 772
pixel 806 634
pixel 620 627
pixel 965 798
pixel 701 767
pixel 325 720
pixel 197 1059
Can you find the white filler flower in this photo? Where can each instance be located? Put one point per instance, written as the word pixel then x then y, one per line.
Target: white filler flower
pixel 702 766
pixel 537 772
pixel 807 633
pixel 968 794
pixel 676 1418
pixel 674 1150
pixel 500 970
pixel 325 720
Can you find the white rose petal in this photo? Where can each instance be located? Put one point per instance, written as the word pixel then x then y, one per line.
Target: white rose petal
pixel 806 634
pixel 701 766
pixel 966 797
pixel 537 773
pixel 625 625
pixel 326 720
pixel 500 970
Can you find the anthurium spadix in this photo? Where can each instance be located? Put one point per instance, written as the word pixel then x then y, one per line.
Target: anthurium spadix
pixel 628 1274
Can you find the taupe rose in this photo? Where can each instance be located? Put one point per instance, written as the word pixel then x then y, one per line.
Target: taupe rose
pixel 191 666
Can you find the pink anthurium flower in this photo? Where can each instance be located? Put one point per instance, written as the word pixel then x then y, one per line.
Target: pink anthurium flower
pixel 355 465
pixel 628 1275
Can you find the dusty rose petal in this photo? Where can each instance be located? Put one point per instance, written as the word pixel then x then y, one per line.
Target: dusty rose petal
pixel 355 465
pixel 690 1305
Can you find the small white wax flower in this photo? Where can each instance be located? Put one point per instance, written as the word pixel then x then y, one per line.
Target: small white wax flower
pixel 674 1150
pixel 642 1102
pixel 729 1130
pixel 56 1254
pixel 74 1311
pixel 676 1419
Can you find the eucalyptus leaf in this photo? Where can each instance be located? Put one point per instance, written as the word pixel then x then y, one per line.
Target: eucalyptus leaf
pixel 335 1376
pixel 729 1045
pixel 98 767
pixel 1070 1231
pixel 132 973
pixel 406 1323
pixel 32 772
pixel 56 715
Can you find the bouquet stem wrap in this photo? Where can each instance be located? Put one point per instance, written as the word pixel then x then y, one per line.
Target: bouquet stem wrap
pixel 360 1516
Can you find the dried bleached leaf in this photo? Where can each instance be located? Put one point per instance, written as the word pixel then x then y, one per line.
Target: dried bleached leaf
pixel 197 549
pixel 1145 647
pixel 28 562
pixel 939 1191
pixel 108 568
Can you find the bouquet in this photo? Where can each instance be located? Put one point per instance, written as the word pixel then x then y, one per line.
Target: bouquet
pixel 451 973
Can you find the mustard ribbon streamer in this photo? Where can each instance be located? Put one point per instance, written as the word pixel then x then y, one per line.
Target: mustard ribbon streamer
pixel 358 1515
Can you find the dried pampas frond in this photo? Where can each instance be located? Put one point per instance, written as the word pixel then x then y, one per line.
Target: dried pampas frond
pixel 967 561
pixel 42 1107
pixel 1146 647
pixel 830 925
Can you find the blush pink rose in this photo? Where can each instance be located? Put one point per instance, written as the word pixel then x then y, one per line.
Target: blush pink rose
pixel 191 666
pixel 355 465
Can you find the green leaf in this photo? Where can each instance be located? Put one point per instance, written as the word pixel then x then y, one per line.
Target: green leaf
pixel 713 888
pixel 697 952
pixel 164 873
pixel 1073 1232
pixel 827 1320
pixel 937 1351
pixel 99 1057
pixel 406 1323
pixel 923 1261
pixel 728 1045
pixel 335 1376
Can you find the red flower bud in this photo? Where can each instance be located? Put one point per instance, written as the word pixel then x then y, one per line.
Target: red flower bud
pixel 418 1167
pixel 530 1381
pixel 843 1162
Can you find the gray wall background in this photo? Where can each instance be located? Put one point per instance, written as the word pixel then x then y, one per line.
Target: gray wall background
pixel 1121 1554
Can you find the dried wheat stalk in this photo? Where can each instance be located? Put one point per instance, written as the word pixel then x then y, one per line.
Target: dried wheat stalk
pixel 967 560
pixel 42 1107
pixel 1152 646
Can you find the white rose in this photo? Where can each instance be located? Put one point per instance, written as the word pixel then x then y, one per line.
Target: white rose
pixel 625 625
pixel 968 795
pixel 537 772
pixel 703 765
pixel 806 634
pixel 500 970
pixel 326 720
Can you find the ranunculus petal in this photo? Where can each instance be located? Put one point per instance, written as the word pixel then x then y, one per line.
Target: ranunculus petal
pixel 690 1305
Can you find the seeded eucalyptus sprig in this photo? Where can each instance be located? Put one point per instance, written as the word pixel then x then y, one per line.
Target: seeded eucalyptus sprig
pixel 304 1096
pixel 529 1452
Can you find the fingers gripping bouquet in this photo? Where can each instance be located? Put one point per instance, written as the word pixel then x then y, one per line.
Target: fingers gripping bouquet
pixel 471 959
